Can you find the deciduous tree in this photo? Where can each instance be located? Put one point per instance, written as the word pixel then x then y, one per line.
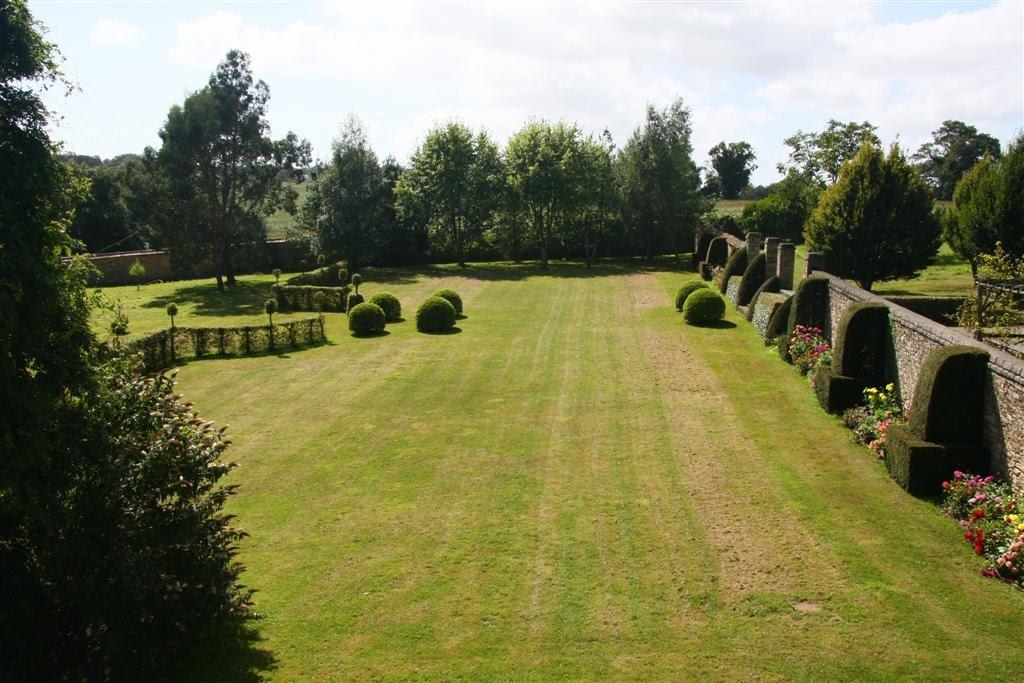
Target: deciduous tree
pixel 955 148
pixel 819 156
pixel 733 164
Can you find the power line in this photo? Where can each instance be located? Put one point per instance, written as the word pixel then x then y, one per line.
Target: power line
pixel 89 121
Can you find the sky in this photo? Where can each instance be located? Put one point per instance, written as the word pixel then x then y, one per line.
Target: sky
pixel 748 71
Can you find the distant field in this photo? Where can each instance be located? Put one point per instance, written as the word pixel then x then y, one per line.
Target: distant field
pixel 278 223
pixel 732 207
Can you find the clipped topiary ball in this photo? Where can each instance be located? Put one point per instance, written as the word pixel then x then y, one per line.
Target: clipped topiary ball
pixel 390 303
pixel 686 290
pixel 452 297
pixel 366 319
pixel 435 315
pixel 702 307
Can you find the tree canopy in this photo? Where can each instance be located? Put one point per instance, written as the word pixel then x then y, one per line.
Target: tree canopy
pixel 733 163
pixel 955 148
pixel 223 172
pixel 453 185
pixel 876 222
pixel 819 156
pixel 660 182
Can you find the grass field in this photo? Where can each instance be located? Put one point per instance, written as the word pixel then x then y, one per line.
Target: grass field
pixel 576 485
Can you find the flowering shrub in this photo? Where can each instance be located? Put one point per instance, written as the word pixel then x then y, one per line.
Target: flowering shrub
pixel 806 346
pixel 990 514
pixel 870 421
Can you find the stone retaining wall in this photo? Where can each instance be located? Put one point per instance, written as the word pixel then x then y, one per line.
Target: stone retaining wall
pixel 914 337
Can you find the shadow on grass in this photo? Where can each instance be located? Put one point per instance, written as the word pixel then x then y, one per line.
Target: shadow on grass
pixel 454 330
pixel 233 655
pixel 242 298
pixel 372 335
pixel 716 325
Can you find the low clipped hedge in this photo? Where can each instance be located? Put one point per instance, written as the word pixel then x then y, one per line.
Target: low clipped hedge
pixel 366 319
pixel 771 285
pixel 435 314
pixel 736 264
pixel 686 290
pixel 753 278
pixel 389 303
pixel 163 348
pixel 305 297
pixel 703 306
pixel 354 300
pixel 941 309
pixel 452 297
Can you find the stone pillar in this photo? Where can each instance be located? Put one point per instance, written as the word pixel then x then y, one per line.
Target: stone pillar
pixel 815 261
pixel 787 259
pixel 753 245
pixel 771 256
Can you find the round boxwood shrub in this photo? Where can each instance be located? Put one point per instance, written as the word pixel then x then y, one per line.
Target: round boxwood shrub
pixel 366 319
pixel 686 290
pixel 452 297
pixel 390 303
pixel 703 306
pixel 435 315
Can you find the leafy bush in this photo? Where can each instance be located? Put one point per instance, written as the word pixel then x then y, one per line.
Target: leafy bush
pixel 390 303
pixel 753 278
pixel 435 314
pixel 782 214
pixel 736 264
pixel 949 399
pixel 703 306
pixel 870 421
pixel 328 276
pixel 686 289
pixel 366 319
pixel 990 514
pixel 452 297
pixel 353 301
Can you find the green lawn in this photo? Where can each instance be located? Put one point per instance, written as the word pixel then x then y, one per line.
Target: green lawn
pixel 576 485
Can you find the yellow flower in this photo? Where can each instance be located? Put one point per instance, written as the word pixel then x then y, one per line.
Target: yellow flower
pixel 890 386
pixel 872 390
pixel 882 396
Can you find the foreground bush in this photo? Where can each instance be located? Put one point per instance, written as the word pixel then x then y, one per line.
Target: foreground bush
pixel 389 303
pixel 452 297
pixel 686 290
pixel 137 560
pixel 435 315
pixel 702 307
pixel 366 319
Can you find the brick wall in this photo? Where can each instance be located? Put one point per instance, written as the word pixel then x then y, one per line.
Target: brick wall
pixel 914 337
pixel 274 253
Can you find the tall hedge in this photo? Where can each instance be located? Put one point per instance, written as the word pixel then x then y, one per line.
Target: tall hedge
pixel 736 264
pixel 718 251
pixel 810 304
pixel 777 323
pixel 753 277
pixel 860 345
pixel 949 399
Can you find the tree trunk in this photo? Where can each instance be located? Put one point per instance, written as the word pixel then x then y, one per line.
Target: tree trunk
pixel 544 255
pixel 515 244
pixel 229 271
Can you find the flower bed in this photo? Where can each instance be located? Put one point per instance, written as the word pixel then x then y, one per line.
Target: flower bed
pixel 870 421
pixel 808 348
pixel 990 515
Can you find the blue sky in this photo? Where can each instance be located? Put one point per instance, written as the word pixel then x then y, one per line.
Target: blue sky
pixel 748 71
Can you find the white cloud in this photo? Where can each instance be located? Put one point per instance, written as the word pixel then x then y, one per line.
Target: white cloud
pixel 754 71
pixel 115 33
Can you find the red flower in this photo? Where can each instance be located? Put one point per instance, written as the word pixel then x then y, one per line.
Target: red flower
pixel 978 513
